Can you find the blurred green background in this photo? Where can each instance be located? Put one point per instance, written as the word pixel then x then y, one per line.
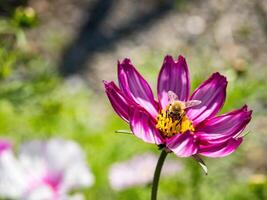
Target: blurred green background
pixel 54 55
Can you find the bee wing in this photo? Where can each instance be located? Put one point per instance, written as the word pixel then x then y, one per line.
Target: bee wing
pixel 172 96
pixel 192 103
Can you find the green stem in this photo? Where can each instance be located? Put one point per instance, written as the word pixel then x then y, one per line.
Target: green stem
pixel 157 174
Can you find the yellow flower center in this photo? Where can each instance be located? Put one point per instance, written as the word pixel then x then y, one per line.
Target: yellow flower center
pixel 170 123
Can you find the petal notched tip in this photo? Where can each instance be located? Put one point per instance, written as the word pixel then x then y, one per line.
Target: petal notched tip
pixel 124 63
pixel 168 59
pixel 182 62
pixel 181 58
pixel 245 109
pixel 246 119
pixel 221 79
pixel 106 83
pixel 118 100
pixel 109 86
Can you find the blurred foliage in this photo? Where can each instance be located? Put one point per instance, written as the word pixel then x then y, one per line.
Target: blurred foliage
pixel 35 102
pixel 25 17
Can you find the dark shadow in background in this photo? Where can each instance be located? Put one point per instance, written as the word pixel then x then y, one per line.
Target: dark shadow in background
pixel 92 39
pixel 8 6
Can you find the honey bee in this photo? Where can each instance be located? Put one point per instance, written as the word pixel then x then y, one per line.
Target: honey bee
pixel 176 108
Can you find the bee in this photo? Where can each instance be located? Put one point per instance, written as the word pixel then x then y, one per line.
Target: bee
pixel 176 108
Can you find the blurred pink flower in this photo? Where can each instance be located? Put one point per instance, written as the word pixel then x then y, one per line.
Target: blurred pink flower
pixel 137 171
pixel 184 124
pixel 43 170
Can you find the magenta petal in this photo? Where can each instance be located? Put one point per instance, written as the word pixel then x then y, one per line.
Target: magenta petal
pixel 4 145
pixel 223 127
pixel 135 87
pixel 212 95
pixel 183 145
pixel 119 102
pixel 173 76
pixel 143 126
pixel 220 150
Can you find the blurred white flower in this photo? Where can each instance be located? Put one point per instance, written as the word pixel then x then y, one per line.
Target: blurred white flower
pixel 43 170
pixel 139 171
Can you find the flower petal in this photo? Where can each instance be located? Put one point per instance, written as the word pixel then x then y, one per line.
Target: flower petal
pixel 212 95
pixel 183 145
pixel 220 149
pixel 173 76
pixel 223 127
pixel 13 178
pixel 4 145
pixel 135 87
pixel 119 102
pixel 143 126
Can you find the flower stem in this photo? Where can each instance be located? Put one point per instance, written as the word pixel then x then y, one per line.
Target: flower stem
pixel 157 174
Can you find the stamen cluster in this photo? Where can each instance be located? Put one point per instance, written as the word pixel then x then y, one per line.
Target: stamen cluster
pixel 169 126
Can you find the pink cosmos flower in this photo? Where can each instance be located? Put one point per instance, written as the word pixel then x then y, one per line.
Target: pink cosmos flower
pixel 41 170
pixel 182 123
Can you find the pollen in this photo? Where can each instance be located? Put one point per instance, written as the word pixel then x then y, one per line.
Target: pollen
pixel 169 126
